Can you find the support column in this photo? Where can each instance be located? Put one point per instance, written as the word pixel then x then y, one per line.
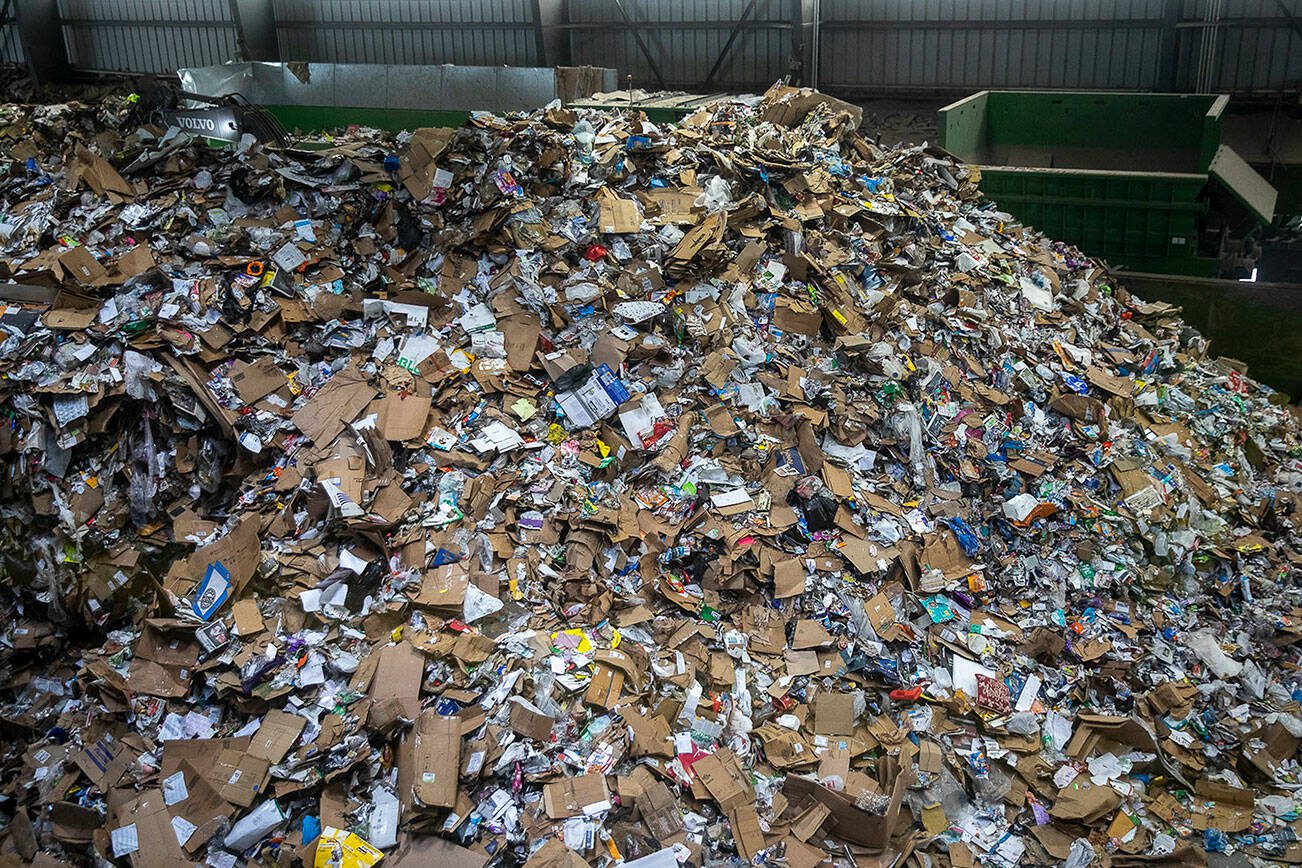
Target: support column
pixel 41 33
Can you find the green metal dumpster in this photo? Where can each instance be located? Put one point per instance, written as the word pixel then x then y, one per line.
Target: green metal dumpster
pixel 1141 180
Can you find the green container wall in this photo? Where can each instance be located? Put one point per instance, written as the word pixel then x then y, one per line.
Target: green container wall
pixel 1136 221
pixel 1158 132
pixel 315 118
pixel 1257 323
pixel 1128 170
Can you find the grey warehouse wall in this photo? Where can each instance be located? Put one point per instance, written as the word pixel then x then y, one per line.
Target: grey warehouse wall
pixel 864 46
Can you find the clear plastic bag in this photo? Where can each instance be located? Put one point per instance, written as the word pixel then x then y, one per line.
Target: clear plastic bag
pixel 716 195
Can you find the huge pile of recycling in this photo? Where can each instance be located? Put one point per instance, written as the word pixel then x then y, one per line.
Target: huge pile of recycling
pixel 568 489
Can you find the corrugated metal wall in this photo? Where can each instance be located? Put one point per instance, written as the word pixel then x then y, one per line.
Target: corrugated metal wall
pixel 883 45
pixel 1255 48
pixel 157 36
pixel 866 46
pixel 974 44
pixel 481 33
pixel 684 39
pixel 11 47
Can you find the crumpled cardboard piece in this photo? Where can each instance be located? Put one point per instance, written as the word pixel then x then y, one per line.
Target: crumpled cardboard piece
pixel 104 760
pixel 554 854
pixel 83 267
pixel 845 820
pixel 1278 744
pixel 1102 733
pixel 100 175
pixel 1220 806
pixel 1085 803
pixel 789 106
pixel 194 800
pixel 723 777
pixel 661 814
pixel 333 407
pixel 165 659
pixel 237 553
pixel 418 167
pixel 400 669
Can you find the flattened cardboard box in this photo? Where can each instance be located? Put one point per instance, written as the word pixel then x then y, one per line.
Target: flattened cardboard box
pixel 30 634
pixel 807 824
pixel 239 552
pixel 801 855
pixel 104 761
pixel 444 587
pixel 201 807
pixel 1222 807
pixel 576 796
pixel 334 406
pixel 402 415
pixel 675 203
pixel 169 643
pixel 528 721
pixel 254 381
pixel 724 778
pixel 554 854
pixel 746 831
pixel 276 735
pixel 651 733
pixel 1086 804
pixel 605 687
pixel 797 317
pixel 74 824
pixel 436 759
pixel 617 215
pixel 1100 733
pixel 834 765
pixel 159 847
pixel 834 714
pixel 84 267
pixel 398 675
pixel 201 753
pixel 242 777
pixel 248 620
pixel 23 835
pixel 661 814
pixel 431 851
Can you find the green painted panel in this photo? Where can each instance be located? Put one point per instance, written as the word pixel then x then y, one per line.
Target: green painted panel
pixel 1171 128
pixel 1085 130
pixel 1141 222
pixel 314 118
pixel 962 126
